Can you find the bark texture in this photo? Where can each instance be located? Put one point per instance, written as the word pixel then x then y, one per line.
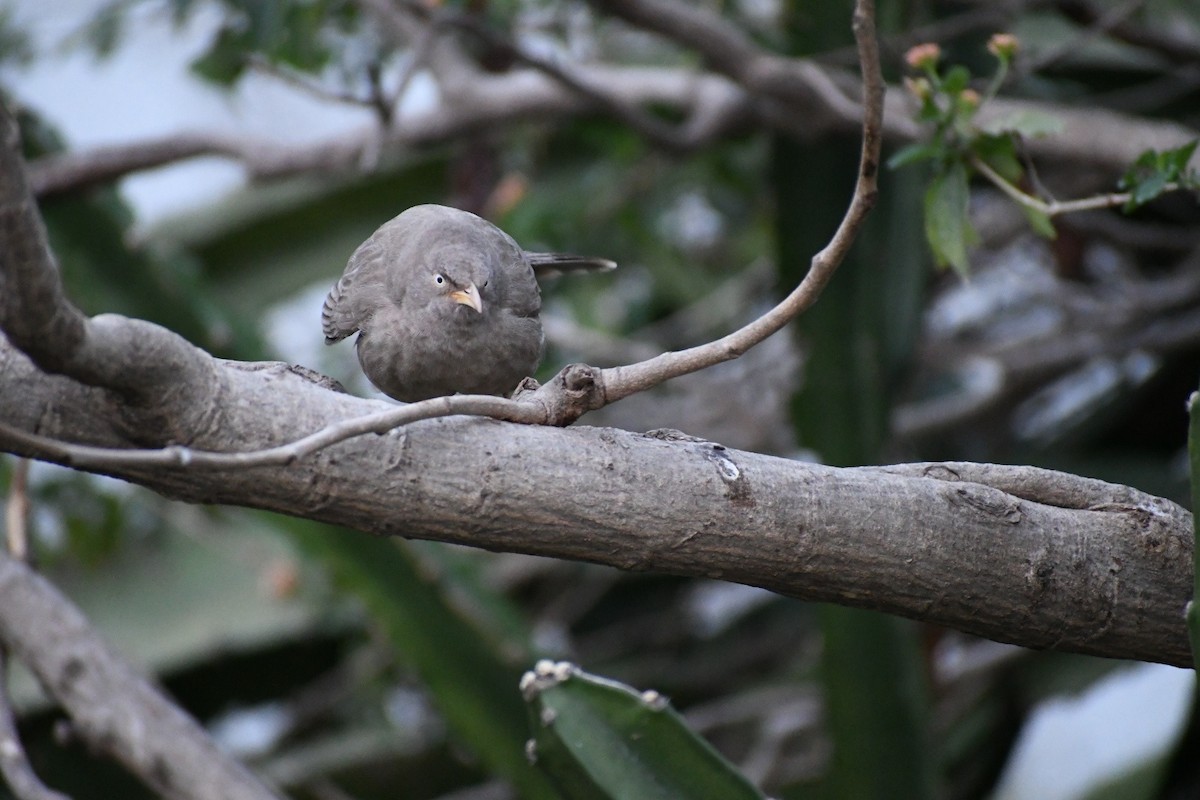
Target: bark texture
pixel 1017 554
pixel 111 704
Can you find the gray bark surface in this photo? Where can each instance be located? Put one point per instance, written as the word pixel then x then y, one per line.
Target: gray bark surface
pixel 1016 554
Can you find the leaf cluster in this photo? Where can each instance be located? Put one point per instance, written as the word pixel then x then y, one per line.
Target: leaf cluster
pixel 1155 173
pixel 298 34
pixel 948 103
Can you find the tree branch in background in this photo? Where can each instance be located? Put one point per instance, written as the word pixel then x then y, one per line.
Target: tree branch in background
pixel 1167 42
pixel 484 103
pixel 14 764
pixel 114 708
pixel 18 773
pixel 791 95
pixel 674 139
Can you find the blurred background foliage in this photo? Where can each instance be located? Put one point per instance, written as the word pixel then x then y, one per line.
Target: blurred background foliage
pixel 342 665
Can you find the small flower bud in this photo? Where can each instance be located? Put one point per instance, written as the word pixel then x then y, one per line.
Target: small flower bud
pixel 1003 45
pixel 970 99
pixel 918 88
pixel 923 56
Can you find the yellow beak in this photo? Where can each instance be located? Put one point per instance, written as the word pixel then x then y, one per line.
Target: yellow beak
pixel 468 297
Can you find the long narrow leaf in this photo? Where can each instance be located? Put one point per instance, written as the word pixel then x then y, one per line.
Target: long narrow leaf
pixel 602 740
pixel 473 687
pixel 947 224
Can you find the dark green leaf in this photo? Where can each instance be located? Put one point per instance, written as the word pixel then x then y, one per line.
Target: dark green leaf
pixel 597 738
pixel 999 151
pixel 297 42
pixel 226 58
pixel 947 223
pixel 1148 160
pixel 1193 608
pixel 1177 159
pixel 1146 190
pixel 877 707
pixel 15 46
pixel 917 151
pixel 103 33
pixel 956 80
pixel 930 111
pixel 474 687
pixel 1153 171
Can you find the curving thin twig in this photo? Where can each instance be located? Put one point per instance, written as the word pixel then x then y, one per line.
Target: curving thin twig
pixel 1054 208
pixel 623 381
pixel 78 455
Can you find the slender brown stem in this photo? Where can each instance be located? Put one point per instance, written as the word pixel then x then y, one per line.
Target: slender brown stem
pixel 626 380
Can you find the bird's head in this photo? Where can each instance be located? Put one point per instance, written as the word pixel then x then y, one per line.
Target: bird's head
pixel 452 287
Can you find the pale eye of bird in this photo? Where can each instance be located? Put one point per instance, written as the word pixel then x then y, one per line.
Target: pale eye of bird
pixel 439 279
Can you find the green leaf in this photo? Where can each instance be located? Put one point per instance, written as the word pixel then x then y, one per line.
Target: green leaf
pixel 1025 122
pixel 281 32
pixel 1000 153
pixel 947 223
pixel 16 48
pixel 1154 171
pixel 917 151
pixel 930 111
pixel 1146 190
pixel 1040 222
pixel 1193 609
pixel 473 686
pixel 956 80
pixel 103 32
pixel 597 738
pixel 226 58
pixel 1176 161
pixel 877 707
pixel 298 41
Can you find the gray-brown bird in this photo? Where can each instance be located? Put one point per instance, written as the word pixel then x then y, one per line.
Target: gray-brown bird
pixel 444 302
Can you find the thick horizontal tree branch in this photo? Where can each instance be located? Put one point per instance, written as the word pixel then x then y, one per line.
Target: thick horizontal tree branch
pixel 1016 554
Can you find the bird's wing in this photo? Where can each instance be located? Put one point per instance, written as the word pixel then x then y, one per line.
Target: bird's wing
pixel 546 265
pixel 357 294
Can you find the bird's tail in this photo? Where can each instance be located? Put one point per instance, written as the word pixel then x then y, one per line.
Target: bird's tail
pixel 547 265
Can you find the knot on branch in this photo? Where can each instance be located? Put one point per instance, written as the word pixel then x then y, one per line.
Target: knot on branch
pixel 574 391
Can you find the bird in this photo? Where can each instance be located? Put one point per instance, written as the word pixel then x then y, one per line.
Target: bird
pixel 444 303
